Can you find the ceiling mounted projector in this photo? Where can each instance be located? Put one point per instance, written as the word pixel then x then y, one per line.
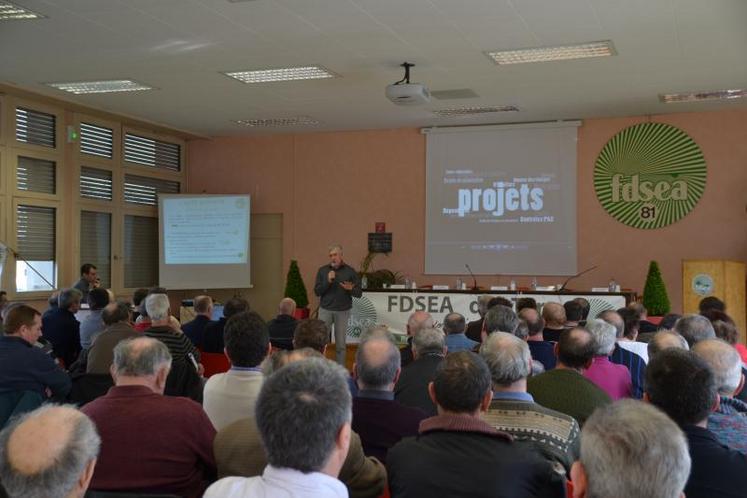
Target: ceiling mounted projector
pixel 405 93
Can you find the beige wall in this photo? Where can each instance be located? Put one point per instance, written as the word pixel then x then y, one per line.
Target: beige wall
pixel 335 186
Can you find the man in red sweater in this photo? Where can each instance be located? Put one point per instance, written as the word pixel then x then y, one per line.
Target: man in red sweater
pixel 149 442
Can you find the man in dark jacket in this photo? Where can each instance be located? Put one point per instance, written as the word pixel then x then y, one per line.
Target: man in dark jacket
pixel 458 454
pixel 429 349
pixel 62 329
pixel 195 330
pixel 283 326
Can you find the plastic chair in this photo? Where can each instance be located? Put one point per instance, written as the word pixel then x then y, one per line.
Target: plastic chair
pixel 214 363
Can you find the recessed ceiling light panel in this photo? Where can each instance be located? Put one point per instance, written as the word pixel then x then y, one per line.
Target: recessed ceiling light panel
pixel 282 74
pixel 108 86
pixel 10 12
pixel 469 111
pixel 544 54
pixel 670 98
pixel 276 122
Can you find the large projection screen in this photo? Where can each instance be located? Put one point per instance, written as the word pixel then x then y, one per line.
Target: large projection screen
pixel 204 241
pixel 501 199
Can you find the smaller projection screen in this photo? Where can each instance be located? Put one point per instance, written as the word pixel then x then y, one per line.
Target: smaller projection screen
pixel 501 199
pixel 204 241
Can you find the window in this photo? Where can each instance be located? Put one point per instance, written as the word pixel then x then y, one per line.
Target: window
pixel 96 243
pixel 36 266
pixel 140 251
pixel 153 153
pixel 96 140
pixel 95 184
pixel 36 175
pixel 34 127
pixel 144 190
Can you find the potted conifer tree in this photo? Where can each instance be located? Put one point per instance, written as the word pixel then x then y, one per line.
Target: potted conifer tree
pixel 296 290
pixel 655 297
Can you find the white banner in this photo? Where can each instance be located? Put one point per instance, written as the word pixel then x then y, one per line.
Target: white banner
pixel 394 308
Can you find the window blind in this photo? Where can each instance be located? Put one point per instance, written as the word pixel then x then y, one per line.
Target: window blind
pixel 35 233
pixel 144 190
pixel 95 243
pixel 96 140
pixel 153 153
pixel 35 175
pixel 140 251
pixel 95 183
pixel 35 127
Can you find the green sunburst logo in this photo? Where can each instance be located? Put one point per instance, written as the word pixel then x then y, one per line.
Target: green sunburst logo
pixel 650 175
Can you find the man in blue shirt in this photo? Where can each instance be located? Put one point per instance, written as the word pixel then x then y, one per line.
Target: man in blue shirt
pixel 24 367
pixel 456 339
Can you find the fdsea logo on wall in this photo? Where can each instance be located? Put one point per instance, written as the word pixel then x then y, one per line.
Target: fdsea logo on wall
pixel 650 175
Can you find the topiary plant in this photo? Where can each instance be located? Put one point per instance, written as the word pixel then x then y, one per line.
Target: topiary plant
pixel 294 286
pixel 655 297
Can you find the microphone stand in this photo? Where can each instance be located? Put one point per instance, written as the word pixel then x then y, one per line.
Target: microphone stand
pixel 474 279
pixel 562 287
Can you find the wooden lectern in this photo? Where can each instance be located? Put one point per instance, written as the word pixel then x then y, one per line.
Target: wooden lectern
pixel 720 278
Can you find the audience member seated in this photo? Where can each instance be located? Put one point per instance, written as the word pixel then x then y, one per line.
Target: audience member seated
pixel 230 396
pixel 683 386
pixel 62 329
pixel 621 356
pixel 92 325
pixel 665 339
pixel 526 302
pixel 726 329
pixel 311 333
pixel 711 303
pixel 88 281
pixel 116 318
pixel 565 389
pixel 281 327
pixel 644 326
pixel 612 378
pixel 379 420
pixel 149 442
pixel 417 321
pixel 49 452
pixel 574 313
pixel 213 342
pixel 456 340
pixel 499 318
pixel 428 349
pixel 52 304
pixel 667 323
pixel 24 367
pixel 541 350
pixel 729 422
pixel 474 329
pixel 694 328
pixel 585 309
pixel 303 415
pixel 142 323
pixel 514 411
pixel 630 449
pixel 184 378
pixel 631 326
pixel 458 454
pixel 239 451
pixel 195 330
pixel 138 303
pixel 554 316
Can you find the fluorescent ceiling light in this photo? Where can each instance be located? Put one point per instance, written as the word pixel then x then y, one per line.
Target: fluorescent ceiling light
pixel 467 111
pixel 544 54
pixel 282 74
pixel 670 98
pixel 10 11
pixel 109 86
pixel 274 122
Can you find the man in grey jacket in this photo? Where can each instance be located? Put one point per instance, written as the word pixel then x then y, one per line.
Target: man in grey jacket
pixel 336 285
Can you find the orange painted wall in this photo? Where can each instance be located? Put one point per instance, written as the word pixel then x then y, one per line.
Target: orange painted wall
pixel 335 186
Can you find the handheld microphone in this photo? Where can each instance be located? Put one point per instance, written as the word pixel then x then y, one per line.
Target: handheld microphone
pixel 562 287
pixel 474 279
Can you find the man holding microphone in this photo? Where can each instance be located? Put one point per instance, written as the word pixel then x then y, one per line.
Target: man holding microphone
pixel 336 285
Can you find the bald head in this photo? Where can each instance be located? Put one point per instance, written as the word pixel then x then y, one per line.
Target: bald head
pixel 287 306
pixel 203 305
pixel 534 321
pixel 613 318
pixel 377 362
pixel 48 452
pixel 419 320
pixel 554 315
pixel 665 339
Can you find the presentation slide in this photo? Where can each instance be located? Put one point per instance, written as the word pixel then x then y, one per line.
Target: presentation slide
pixel 204 241
pixel 501 199
pixel 206 230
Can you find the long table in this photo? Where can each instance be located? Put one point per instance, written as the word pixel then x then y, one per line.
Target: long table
pixel 393 307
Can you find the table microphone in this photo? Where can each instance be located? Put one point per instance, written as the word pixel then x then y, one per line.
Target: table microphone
pixel 474 279
pixel 562 287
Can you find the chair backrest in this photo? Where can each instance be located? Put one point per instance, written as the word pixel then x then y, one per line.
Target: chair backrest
pixel 214 363
pixel 183 380
pixel 87 387
pixel 14 403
